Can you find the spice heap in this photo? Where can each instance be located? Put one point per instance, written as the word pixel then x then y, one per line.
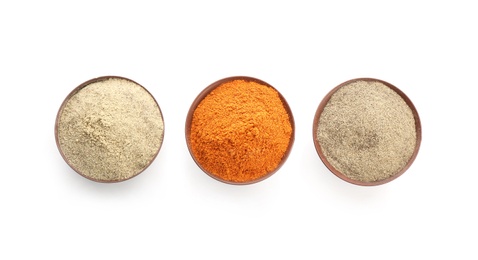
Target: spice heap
pixel 109 129
pixel 367 131
pixel 240 132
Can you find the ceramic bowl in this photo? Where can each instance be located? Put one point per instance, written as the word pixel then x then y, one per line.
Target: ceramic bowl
pixel 341 175
pixel 68 160
pixel 205 93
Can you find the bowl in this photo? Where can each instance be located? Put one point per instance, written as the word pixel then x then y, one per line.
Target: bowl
pixel 229 133
pixel 109 129
pixel 370 132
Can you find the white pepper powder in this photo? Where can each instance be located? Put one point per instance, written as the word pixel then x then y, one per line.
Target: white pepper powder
pixel 367 131
pixel 109 130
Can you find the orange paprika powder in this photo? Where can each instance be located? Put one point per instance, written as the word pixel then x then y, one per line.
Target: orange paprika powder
pixel 241 131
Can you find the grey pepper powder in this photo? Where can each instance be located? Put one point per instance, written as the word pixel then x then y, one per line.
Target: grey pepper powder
pixel 367 131
pixel 109 129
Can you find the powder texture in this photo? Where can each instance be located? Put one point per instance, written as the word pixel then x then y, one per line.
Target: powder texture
pixel 110 130
pixel 240 131
pixel 367 131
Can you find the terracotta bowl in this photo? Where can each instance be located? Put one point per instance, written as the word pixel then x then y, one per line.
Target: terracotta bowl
pixel 206 92
pixel 73 93
pixel 342 175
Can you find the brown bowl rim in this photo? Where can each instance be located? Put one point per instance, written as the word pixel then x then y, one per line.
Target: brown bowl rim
pixel 74 92
pixel 206 91
pixel 418 129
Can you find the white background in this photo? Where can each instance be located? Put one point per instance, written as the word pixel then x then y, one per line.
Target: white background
pixel 428 49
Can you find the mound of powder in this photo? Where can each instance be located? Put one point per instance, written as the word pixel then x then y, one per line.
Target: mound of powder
pixel 367 131
pixel 109 130
pixel 241 131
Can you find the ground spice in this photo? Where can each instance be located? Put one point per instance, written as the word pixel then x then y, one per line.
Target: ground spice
pixel 367 131
pixel 241 131
pixel 109 130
